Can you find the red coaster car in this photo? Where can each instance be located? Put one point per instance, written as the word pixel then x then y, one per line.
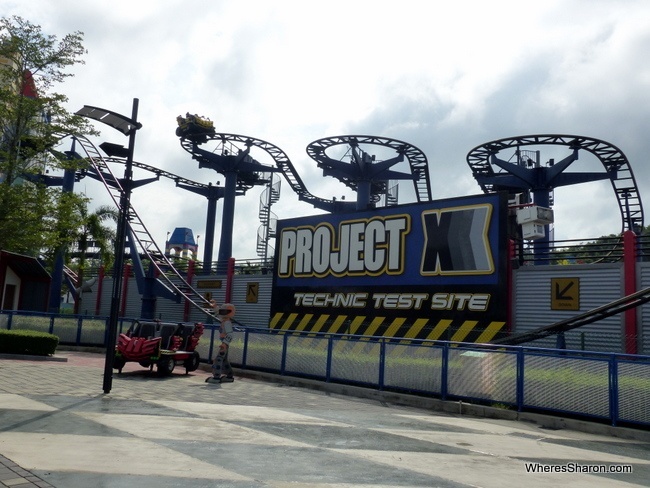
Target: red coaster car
pixel 158 343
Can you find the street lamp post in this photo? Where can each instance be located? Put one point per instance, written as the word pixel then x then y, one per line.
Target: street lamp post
pixel 127 127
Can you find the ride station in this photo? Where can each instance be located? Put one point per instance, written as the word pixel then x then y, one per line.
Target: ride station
pixel 462 298
pixel 378 266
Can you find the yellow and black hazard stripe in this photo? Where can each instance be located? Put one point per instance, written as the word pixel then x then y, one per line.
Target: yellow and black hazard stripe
pixel 398 327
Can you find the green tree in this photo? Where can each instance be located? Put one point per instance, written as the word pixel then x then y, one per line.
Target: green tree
pixel 94 233
pixel 603 249
pixel 32 120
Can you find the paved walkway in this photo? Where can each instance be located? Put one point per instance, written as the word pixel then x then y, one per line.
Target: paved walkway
pixel 58 429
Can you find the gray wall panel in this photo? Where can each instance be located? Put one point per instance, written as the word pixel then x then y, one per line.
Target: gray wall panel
pixel 599 285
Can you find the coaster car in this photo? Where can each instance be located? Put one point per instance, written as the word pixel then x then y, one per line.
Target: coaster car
pixel 160 344
pixel 194 128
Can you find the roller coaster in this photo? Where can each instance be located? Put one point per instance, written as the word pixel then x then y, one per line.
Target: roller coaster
pixel 139 237
pixel 481 161
pixel 143 244
pixel 516 177
pixel 527 175
pixel 227 143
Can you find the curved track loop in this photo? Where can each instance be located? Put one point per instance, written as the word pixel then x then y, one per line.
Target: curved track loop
pixel 139 235
pixel 614 161
pixel 416 158
pixel 226 142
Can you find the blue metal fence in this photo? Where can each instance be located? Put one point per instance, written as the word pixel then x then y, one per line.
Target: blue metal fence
pixel 606 387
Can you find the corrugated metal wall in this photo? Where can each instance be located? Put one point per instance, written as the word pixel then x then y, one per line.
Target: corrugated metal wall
pixel 643 278
pixel 598 285
pixel 532 293
pixel 251 295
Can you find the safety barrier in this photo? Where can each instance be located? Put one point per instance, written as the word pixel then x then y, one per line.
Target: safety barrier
pixel 78 330
pixel 605 387
pixel 612 388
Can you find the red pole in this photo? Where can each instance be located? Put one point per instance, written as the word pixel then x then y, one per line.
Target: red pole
pixel 229 275
pixel 100 286
pixel 511 256
pixel 190 275
pixel 629 270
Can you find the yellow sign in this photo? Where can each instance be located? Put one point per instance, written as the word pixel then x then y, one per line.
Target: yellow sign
pixel 208 284
pixel 565 293
pixel 252 291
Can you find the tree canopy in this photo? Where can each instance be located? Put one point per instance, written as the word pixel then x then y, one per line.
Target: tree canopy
pixel 32 119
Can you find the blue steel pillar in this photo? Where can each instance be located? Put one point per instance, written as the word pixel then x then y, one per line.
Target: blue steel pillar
pixel 210 219
pixel 240 170
pixel 227 222
pixel 213 194
pixel 67 186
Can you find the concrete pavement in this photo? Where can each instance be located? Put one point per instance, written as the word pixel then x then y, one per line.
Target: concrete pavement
pixel 58 429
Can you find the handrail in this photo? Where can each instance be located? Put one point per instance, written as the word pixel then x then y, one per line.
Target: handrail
pixel 138 234
pixel 612 308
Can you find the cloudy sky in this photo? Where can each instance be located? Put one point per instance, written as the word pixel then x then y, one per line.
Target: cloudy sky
pixel 443 76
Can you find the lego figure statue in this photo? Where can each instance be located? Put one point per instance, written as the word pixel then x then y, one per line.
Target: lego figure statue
pixel 221 369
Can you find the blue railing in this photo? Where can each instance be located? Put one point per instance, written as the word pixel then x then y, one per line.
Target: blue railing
pixel 75 330
pixel 604 387
pixel 607 387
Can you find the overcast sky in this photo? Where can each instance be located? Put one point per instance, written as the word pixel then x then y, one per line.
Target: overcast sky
pixel 443 76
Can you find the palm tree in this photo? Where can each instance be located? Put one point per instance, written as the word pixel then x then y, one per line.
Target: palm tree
pixel 93 233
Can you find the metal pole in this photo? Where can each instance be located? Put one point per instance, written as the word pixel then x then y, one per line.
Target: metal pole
pixel 120 244
pixel 208 246
pixel 227 222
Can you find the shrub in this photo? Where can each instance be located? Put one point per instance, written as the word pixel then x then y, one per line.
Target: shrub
pixel 27 342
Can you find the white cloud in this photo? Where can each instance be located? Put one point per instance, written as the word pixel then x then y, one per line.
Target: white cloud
pixel 443 76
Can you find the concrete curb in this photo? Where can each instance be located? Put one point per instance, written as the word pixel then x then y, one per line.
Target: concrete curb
pixel 93 349
pixel 30 357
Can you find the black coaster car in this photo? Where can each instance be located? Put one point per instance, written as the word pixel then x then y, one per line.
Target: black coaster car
pixel 164 345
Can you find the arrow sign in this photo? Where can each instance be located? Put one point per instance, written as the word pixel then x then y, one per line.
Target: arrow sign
pixel 252 292
pixel 560 294
pixel 565 293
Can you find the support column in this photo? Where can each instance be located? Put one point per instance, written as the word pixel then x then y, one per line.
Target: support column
pixel 629 270
pixel 227 222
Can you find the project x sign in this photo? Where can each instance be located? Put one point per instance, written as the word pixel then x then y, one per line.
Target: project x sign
pixel 355 248
pixel 443 260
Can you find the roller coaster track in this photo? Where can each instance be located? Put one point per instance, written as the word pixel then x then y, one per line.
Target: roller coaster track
pixel 138 233
pixel 612 308
pixel 158 172
pixel 416 158
pixel 614 161
pixel 227 142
